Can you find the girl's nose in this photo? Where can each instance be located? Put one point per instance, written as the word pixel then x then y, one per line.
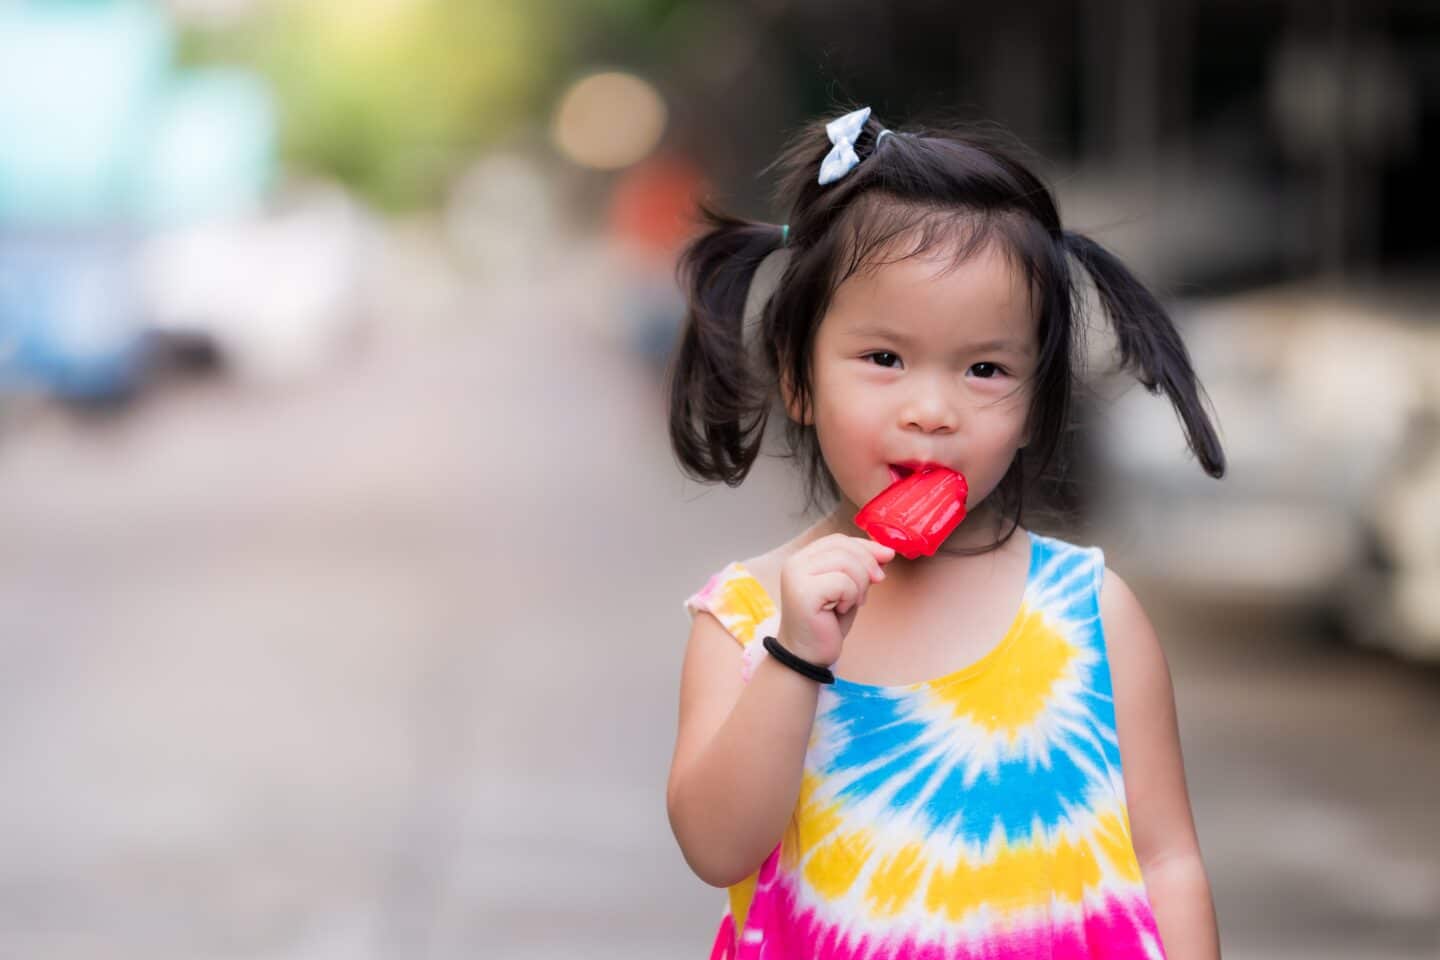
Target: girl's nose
pixel 930 410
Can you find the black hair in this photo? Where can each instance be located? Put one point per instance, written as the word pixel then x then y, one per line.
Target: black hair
pixel 965 189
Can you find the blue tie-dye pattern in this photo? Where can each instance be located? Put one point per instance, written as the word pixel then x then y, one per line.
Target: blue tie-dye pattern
pixel 877 778
pixel 880 747
pixel 882 726
pixel 907 794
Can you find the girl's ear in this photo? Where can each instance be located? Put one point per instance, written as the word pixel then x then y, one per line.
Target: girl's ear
pixel 792 402
pixel 1029 433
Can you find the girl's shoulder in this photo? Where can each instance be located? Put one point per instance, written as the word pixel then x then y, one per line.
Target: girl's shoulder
pixel 744 605
pixel 744 595
pixel 740 596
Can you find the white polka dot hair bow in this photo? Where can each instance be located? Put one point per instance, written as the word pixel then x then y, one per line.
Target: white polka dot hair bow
pixel 842 133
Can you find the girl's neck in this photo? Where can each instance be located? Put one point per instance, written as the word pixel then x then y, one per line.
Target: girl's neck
pixel 977 531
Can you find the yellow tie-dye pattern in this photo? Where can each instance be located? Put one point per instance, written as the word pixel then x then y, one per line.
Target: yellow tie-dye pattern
pixel 1073 868
pixel 895 881
pixel 957 891
pixel 742 895
pixel 1017 878
pixel 1016 687
pixel 790 847
pixel 744 605
pixel 1113 837
pixel 833 868
pixel 810 825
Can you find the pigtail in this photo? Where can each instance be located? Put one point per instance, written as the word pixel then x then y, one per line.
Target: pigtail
pixel 718 406
pixel 1149 345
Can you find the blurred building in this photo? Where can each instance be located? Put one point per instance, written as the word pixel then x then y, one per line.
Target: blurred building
pixel 1217 143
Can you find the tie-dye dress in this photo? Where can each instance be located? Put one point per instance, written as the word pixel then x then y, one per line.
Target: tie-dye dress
pixel 977 815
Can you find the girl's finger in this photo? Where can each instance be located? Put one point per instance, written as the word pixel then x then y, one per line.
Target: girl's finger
pixel 838 588
pixel 849 560
pixel 858 566
pixel 879 551
pixel 865 552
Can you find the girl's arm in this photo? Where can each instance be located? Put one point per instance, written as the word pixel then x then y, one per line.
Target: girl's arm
pixel 1161 823
pixel 739 755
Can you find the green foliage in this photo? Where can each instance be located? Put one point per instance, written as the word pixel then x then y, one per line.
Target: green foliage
pixel 390 96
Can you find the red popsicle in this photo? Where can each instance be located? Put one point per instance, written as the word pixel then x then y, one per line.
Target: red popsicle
pixel 915 514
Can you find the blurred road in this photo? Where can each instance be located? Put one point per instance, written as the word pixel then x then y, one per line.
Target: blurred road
pixel 385 665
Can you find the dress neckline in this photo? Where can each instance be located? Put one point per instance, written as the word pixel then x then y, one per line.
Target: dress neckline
pixel 968 672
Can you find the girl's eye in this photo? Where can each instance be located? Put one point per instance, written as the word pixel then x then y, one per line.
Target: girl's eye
pixel 882 353
pixel 986 370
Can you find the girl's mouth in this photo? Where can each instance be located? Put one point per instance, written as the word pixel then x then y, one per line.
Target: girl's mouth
pixel 898 473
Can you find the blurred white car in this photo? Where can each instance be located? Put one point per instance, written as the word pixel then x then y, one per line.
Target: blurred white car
pixel 273 294
pixel 1393 594
pixel 1328 404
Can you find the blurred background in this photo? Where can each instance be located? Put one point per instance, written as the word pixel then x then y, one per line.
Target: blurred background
pixel 344 552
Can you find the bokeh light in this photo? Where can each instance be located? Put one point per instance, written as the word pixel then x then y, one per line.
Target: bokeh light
pixel 608 121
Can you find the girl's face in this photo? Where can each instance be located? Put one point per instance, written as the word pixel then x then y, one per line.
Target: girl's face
pixel 924 361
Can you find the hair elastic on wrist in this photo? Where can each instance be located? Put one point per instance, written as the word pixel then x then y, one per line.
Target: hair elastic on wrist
pixel 803 667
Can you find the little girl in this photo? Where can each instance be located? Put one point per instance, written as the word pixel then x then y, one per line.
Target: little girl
pixel 941 777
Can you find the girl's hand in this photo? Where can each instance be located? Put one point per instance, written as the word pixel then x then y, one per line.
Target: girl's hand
pixel 822 586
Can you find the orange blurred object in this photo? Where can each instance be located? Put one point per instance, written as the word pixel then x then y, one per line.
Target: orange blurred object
pixel 653 208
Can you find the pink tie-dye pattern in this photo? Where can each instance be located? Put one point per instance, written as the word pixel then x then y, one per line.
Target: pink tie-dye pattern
pixel 1115 932
pixel 706 594
pixel 751 945
pixel 724 948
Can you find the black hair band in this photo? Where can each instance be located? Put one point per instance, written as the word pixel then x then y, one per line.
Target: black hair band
pixel 803 667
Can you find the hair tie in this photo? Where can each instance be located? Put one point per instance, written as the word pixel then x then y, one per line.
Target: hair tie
pixel 881 136
pixel 784 234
